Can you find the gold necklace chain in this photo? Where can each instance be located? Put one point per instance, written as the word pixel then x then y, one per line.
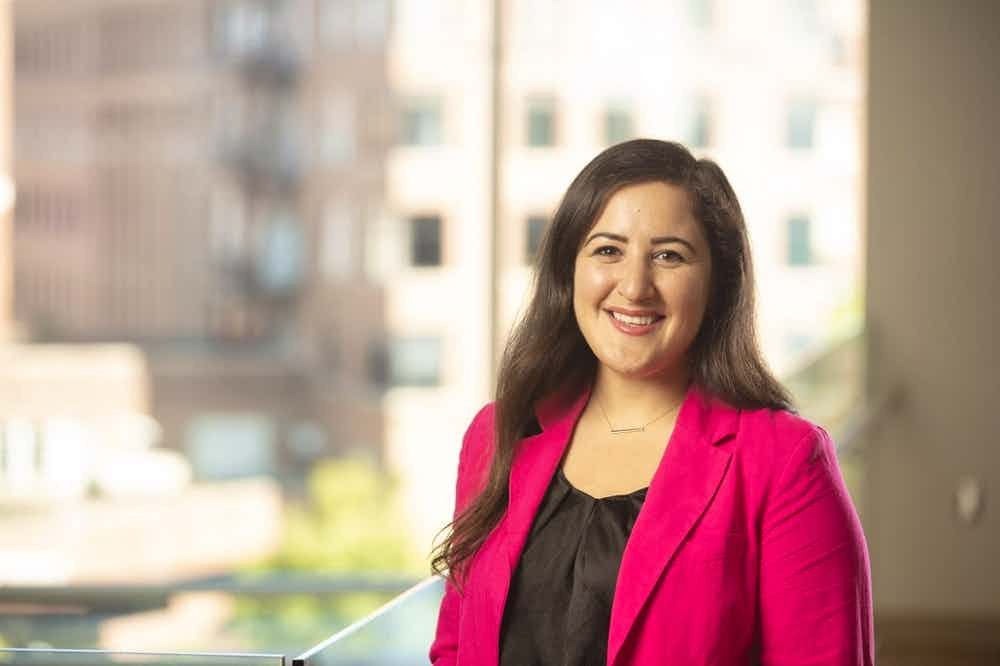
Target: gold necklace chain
pixel 642 428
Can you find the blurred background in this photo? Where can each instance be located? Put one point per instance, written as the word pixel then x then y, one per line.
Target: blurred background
pixel 258 259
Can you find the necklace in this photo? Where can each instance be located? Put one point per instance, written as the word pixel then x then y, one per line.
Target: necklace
pixel 641 428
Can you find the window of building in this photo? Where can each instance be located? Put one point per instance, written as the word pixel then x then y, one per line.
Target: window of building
pixel 337 25
pixel 799 240
pixel 618 125
pixel 280 255
pixel 378 363
pixel 425 240
pixel 535 231
pixel 231 445
pixel 541 122
pixel 421 122
pixel 801 127
pixel 701 13
pixel 338 252
pixel 415 361
pixel 700 128
pixel 339 140
pixel 804 16
pixel 371 23
pixel 240 27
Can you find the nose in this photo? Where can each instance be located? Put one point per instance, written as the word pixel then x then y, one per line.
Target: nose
pixel 635 282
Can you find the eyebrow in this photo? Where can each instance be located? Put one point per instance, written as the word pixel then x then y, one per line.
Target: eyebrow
pixel 659 240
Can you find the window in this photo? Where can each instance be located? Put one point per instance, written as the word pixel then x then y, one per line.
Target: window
pixel 799 242
pixel 338 142
pixel 231 445
pixel 425 240
pixel 280 255
pixel 372 22
pixel 421 122
pixel 535 232
pixel 541 122
pixel 804 16
pixel 378 364
pixel 700 128
pixel 801 124
pixel 415 362
pixel 701 13
pixel 617 124
pixel 240 27
pixel 338 251
pixel 337 25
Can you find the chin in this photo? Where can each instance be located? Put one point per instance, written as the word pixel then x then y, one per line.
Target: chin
pixel 635 371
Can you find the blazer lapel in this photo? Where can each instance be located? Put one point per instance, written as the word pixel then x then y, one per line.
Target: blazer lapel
pixel 534 464
pixel 681 489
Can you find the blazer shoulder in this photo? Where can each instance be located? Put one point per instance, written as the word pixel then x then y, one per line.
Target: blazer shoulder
pixel 476 454
pixel 771 436
pixel 481 426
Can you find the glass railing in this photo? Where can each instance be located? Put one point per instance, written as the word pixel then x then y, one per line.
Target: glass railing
pixel 397 634
pixel 54 657
pixel 829 389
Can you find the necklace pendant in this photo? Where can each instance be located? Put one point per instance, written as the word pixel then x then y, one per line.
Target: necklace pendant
pixel 618 431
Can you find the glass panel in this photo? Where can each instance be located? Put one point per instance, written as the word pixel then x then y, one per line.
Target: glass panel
pixel 617 125
pixel 829 389
pixel 264 614
pixel 799 241
pixel 421 123
pixel 541 123
pixel 398 633
pixel 40 657
pixel 801 123
pixel 700 130
pixel 415 362
pixel 425 241
pixel 536 231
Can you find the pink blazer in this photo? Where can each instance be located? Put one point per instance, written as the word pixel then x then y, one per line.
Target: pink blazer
pixel 746 550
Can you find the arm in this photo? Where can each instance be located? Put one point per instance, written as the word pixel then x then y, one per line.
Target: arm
pixel 815 579
pixel 473 461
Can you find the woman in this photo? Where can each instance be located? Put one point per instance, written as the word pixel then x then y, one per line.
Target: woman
pixel 641 492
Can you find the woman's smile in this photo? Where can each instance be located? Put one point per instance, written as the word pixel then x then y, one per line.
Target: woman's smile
pixel 634 324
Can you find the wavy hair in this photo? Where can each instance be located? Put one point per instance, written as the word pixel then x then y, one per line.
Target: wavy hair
pixel 546 351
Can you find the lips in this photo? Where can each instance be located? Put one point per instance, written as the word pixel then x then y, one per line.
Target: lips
pixel 634 323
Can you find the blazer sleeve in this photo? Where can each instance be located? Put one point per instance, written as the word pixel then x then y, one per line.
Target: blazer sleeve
pixel 473 463
pixel 815 576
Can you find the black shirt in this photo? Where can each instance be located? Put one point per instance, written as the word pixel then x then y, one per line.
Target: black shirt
pixel 558 609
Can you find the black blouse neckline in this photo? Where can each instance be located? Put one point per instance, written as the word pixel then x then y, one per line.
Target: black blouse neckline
pixel 561 476
pixel 558 608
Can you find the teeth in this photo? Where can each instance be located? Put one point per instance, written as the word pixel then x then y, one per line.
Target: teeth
pixel 636 321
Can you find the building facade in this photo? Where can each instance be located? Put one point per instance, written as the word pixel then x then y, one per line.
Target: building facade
pixel 289 203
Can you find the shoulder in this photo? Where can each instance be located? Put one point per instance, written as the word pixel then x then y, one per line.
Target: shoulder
pixel 481 427
pixel 772 440
pixel 476 454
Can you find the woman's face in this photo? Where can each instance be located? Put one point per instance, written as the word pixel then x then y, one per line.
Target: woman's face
pixel 641 281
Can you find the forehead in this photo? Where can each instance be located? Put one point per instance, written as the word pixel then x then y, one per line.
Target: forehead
pixel 655 207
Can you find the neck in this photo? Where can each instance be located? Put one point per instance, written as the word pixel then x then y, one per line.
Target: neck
pixel 632 400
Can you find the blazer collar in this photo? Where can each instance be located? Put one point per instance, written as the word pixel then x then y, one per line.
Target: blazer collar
pixel 682 487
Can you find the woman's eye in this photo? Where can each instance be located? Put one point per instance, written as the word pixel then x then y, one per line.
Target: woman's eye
pixel 671 256
pixel 606 251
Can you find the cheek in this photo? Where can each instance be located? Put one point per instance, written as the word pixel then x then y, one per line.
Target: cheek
pixel 592 286
pixel 690 298
pixel 585 288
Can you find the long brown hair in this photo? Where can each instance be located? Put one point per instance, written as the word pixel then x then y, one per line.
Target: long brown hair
pixel 547 352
